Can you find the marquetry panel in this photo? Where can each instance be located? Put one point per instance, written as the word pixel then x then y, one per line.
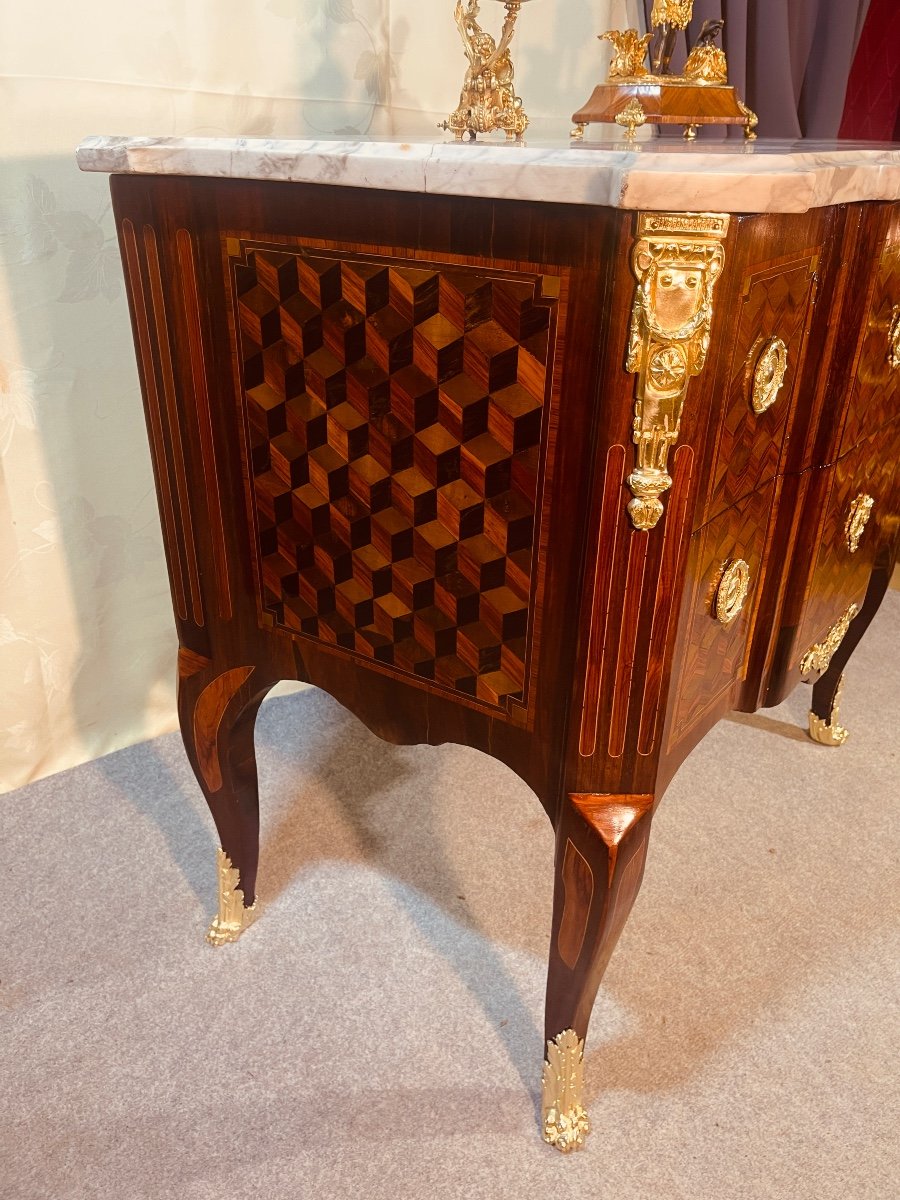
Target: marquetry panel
pixel 714 655
pixel 776 301
pixel 875 398
pixel 396 414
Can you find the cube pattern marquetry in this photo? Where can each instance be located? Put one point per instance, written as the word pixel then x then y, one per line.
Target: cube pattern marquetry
pixel 396 417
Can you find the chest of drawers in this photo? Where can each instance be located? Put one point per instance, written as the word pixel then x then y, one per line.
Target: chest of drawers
pixel 495 459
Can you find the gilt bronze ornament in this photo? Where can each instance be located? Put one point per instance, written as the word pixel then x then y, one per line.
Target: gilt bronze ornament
pixel 677 13
pixel 489 102
pixel 668 18
pixel 631 53
pixel 706 62
pixel 565 1122
pixel 700 95
pixel 676 260
pixel 830 732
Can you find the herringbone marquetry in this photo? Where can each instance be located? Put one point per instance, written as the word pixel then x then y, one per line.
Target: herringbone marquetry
pixel 841 576
pixel 776 303
pixel 876 393
pixel 714 653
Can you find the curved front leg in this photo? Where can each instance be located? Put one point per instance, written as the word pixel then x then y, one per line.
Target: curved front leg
pixel 601 847
pixel 217 712
pixel 824 716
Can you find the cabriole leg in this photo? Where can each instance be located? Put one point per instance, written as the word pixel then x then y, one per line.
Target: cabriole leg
pixel 824 717
pixel 601 847
pixel 217 713
pixel 828 731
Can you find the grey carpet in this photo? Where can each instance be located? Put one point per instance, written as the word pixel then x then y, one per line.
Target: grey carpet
pixel 378 1032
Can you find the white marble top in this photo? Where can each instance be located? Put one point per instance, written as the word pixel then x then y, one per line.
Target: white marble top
pixel 732 176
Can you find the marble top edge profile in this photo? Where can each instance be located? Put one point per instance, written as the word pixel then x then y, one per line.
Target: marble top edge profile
pixel 731 176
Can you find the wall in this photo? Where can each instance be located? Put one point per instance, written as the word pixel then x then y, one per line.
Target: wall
pixel 87 645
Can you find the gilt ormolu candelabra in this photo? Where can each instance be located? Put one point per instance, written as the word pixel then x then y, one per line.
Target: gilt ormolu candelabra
pixel 488 102
pixel 700 95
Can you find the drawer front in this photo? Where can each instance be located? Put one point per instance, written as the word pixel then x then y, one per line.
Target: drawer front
pixel 728 558
pixel 761 381
pixel 885 523
pixel 875 397
pixel 860 518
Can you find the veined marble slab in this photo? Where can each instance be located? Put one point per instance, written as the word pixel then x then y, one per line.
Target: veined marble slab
pixel 732 176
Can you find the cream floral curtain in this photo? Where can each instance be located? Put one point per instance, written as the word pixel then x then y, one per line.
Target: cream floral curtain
pixel 86 637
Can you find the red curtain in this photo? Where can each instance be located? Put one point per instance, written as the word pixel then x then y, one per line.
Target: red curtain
pixel 872 109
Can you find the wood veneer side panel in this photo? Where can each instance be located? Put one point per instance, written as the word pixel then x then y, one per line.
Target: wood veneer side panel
pixel 598 618
pixel 607 537
pixel 139 303
pixel 174 414
pixel 164 206
pixel 480 232
pixel 657 667
pixel 192 312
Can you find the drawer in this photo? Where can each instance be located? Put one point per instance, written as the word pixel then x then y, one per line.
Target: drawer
pixel 875 395
pixel 763 333
pixel 860 517
pixel 728 560
pixel 765 366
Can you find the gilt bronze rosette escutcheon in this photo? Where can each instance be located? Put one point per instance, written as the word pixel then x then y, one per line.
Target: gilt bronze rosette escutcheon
pixel 769 372
pixel 677 259
pixel 732 592
pixel 894 339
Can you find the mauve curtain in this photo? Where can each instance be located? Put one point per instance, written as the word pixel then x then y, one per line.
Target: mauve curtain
pixel 789 59
pixel 872 111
